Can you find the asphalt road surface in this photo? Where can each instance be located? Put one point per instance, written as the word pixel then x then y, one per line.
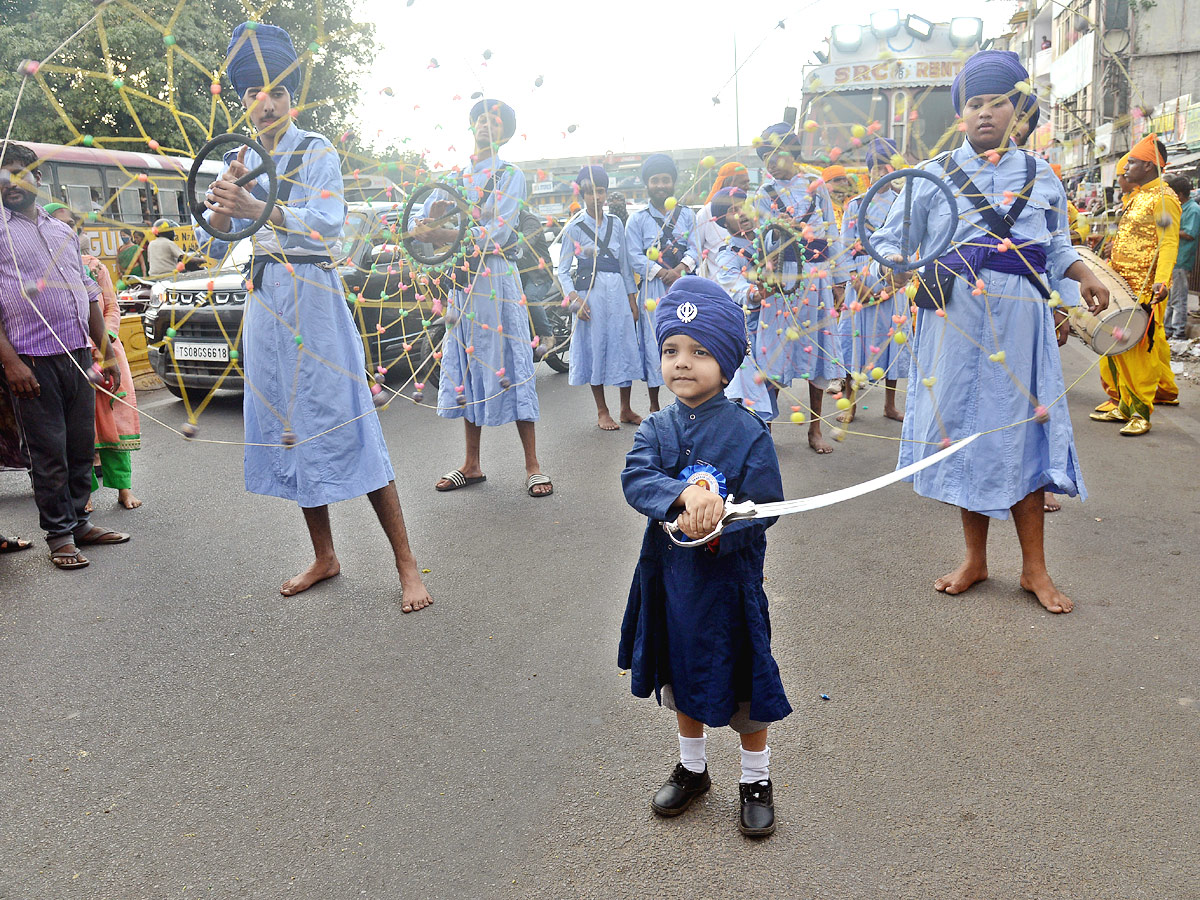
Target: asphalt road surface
pixel 173 727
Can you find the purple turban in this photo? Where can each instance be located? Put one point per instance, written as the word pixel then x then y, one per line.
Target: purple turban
pixel 508 118
pixel 994 72
pixel 778 135
pixel 595 174
pixel 248 67
pixel 880 152
pixel 723 201
pixel 703 311
pixel 658 164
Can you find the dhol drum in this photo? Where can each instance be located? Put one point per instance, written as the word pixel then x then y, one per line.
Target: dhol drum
pixel 1122 324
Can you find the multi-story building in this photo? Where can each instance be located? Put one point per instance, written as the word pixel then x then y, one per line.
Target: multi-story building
pixel 1109 72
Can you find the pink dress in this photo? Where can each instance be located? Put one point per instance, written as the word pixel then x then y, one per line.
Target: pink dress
pixel 117 423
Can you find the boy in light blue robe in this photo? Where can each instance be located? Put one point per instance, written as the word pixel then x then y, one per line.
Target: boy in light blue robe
pixel 735 268
pixel 487 361
pixel 312 432
pixel 604 342
pixel 790 198
pixel 867 322
pixel 989 363
pixel 674 236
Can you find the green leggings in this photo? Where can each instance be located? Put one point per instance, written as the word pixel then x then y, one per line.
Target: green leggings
pixel 116 470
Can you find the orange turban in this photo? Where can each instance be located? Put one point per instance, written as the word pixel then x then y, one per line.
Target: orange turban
pixel 831 172
pixel 724 178
pixel 1147 151
pixel 1057 169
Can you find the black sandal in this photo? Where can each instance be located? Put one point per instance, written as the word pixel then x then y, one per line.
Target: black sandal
pixel 14 544
pixel 69 560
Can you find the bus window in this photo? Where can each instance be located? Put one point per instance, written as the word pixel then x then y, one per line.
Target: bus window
pixel 82 187
pixel 129 206
pixel 171 205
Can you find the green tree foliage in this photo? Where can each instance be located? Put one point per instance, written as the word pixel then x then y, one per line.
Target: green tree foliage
pixel 142 60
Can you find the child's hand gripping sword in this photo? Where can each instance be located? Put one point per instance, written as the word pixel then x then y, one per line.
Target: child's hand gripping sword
pixel 737 512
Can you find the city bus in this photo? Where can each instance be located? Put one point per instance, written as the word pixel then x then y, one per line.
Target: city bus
pixel 125 190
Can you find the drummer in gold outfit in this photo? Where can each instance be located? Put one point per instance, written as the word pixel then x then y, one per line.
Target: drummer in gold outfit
pixel 1143 253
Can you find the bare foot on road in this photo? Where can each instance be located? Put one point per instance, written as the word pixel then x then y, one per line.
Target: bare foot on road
pixel 414 597
pixel 817 441
pixel 1048 595
pixel 629 417
pixel 893 413
pixel 318 571
pixel 847 417
pixel 126 499
pixel 961 579
pixel 1050 502
pixel 604 421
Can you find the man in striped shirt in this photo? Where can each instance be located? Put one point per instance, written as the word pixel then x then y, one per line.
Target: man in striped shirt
pixel 49 310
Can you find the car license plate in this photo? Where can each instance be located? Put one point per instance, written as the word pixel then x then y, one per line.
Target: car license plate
pixel 201 352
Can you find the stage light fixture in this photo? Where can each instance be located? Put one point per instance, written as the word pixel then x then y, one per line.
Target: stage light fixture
pixel 965 30
pixel 921 29
pixel 847 38
pixel 885 22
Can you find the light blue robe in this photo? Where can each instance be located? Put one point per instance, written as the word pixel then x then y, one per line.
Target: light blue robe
pixel 730 270
pixel 865 337
pixel 814 355
pixel 475 358
pixel 643 231
pixel 318 389
pixel 605 348
pixel 972 393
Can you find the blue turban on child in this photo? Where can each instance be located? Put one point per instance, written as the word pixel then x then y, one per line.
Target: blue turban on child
pixel 723 201
pixel 595 174
pixel 880 152
pixel 703 311
pixel 508 117
pixel 994 72
pixel 658 164
pixel 776 136
pixel 249 67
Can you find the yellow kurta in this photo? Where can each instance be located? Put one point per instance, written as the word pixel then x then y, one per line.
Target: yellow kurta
pixel 1143 253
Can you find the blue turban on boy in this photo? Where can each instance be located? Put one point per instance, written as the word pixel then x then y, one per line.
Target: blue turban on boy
pixel 508 117
pixel 776 136
pixel 658 164
pixel 880 152
pixel 703 311
pixel 723 201
pixel 994 72
pixel 595 174
pixel 249 67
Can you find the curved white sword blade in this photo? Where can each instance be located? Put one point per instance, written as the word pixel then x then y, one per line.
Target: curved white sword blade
pixel 786 507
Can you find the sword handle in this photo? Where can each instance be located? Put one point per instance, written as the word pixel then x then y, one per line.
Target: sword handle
pixel 672 529
pixel 734 512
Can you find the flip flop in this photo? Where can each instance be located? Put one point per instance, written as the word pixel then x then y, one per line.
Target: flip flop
pixel 100 535
pixel 534 480
pixel 65 560
pixel 458 480
pixel 13 544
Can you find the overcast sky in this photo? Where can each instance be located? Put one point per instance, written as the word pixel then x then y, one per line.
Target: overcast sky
pixel 635 75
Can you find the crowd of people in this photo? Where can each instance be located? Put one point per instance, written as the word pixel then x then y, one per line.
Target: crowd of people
pixel 727 309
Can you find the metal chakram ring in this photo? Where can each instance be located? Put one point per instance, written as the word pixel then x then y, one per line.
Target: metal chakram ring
pixel 423 253
pixel 266 167
pixel 930 250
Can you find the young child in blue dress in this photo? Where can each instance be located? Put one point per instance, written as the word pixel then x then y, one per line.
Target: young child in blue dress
pixel 696 631
pixel 604 344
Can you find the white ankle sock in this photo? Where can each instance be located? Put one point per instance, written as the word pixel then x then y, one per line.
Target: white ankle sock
pixel 692 753
pixel 756 765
